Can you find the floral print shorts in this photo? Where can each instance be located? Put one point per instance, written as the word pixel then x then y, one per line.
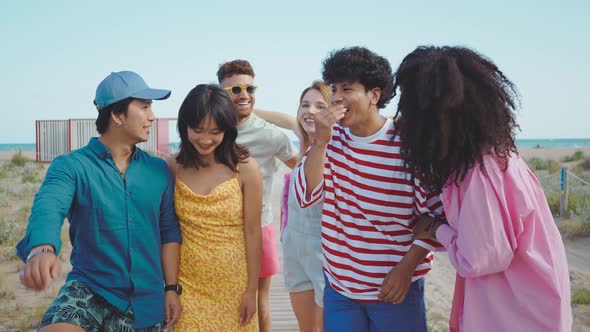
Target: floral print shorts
pixel 77 304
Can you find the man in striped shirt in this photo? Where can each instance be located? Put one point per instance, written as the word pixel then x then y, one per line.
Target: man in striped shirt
pixel 374 269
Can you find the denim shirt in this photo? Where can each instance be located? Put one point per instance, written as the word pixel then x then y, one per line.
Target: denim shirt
pixel 117 226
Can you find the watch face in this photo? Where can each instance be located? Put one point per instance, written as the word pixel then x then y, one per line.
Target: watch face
pixel 176 288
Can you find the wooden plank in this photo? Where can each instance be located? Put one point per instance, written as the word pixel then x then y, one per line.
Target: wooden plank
pixel 282 315
pixel 281 312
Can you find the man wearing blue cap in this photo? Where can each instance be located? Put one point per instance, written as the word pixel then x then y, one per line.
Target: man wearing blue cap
pixel 124 232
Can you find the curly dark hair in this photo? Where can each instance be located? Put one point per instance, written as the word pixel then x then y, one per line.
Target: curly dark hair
pixel 235 67
pixel 203 100
pixel 455 106
pixel 362 65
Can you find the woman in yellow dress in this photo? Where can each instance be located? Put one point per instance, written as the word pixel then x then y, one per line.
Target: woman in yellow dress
pixel 218 200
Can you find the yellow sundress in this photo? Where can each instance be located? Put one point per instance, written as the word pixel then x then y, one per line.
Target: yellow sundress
pixel 213 270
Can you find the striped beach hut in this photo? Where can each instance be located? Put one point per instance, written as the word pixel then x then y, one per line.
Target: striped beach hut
pixel 56 137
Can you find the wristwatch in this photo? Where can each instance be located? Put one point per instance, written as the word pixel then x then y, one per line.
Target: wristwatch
pixel 176 288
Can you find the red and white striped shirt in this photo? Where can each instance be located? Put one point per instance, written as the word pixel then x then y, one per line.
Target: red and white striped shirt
pixel 370 203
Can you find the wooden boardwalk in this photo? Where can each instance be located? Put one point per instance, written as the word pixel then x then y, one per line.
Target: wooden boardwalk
pixel 283 318
pixel 282 315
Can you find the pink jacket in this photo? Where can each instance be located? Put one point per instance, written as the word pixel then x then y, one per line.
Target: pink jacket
pixel 509 255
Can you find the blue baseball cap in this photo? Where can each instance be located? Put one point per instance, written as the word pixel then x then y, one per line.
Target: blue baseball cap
pixel 125 84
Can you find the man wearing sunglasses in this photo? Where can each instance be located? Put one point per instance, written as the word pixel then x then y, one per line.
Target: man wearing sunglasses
pixel 266 143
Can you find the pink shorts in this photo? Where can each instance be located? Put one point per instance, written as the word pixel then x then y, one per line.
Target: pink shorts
pixel 269 262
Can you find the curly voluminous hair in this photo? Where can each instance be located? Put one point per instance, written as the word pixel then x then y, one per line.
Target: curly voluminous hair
pixel 455 106
pixel 235 67
pixel 203 100
pixel 362 65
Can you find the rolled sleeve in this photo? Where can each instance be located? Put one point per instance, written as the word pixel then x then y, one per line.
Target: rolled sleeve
pixel 169 228
pixel 427 203
pixel 301 189
pixel 286 150
pixel 428 245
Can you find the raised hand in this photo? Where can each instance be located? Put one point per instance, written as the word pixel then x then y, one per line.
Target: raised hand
pixel 325 120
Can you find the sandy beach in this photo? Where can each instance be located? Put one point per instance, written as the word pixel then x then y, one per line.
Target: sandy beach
pixel 7 155
pixel 23 303
pixel 551 153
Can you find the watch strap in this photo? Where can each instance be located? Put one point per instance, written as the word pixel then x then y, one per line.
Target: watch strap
pixel 173 287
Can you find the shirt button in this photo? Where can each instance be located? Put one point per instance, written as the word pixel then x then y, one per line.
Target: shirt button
pixel 131 249
pixel 128 194
pixel 130 219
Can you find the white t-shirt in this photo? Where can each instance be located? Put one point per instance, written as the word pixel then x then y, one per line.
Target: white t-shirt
pixel 266 143
pixel 370 202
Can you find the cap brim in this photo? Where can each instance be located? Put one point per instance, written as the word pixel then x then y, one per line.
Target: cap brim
pixel 154 94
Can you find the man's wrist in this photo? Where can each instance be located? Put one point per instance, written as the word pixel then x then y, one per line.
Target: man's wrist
pixel 319 144
pixel 413 258
pixel 39 250
pixel 173 288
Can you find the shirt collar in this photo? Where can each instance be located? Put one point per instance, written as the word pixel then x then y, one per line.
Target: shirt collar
pixel 103 152
pixel 248 123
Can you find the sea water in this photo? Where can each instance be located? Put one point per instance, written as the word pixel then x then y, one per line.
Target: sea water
pixel 524 143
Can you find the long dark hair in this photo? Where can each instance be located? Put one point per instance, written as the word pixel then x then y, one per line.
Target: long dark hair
pixel 455 107
pixel 203 100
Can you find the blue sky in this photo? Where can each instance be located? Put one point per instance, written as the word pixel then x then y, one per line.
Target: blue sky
pixel 54 53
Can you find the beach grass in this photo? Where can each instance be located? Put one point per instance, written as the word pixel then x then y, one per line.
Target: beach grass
pixel 6 291
pixel 21 318
pixel 576 222
pixel 578 155
pixel 581 296
pixel 18 159
pixel 574 229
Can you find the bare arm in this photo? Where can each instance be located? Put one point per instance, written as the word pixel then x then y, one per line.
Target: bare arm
pixel 170 262
pixel 291 163
pixel 397 282
pixel 251 182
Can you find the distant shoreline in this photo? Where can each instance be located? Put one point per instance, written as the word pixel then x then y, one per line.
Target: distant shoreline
pixel 579 143
pixel 555 153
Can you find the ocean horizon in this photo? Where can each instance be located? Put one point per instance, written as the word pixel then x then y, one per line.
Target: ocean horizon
pixel 522 143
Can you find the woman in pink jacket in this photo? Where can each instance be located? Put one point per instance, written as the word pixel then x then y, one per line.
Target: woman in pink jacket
pixel 456 122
